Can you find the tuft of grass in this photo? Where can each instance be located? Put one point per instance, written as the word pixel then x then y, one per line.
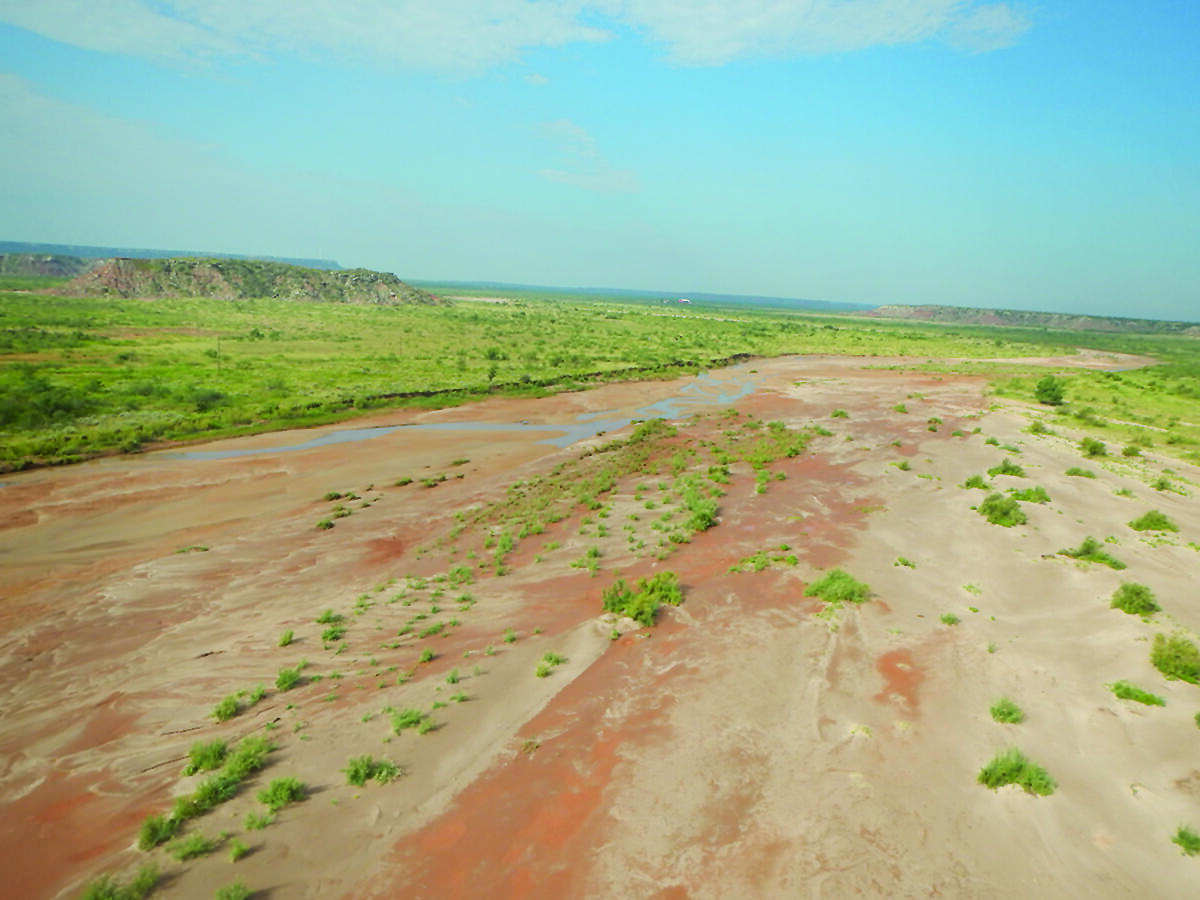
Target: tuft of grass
pixel 191 847
pixel 1012 767
pixel 287 679
pixel 1092 448
pixel 237 849
pixel 950 619
pixel 235 891
pixel 281 792
pixel 839 414
pixel 1153 521
pixel 1035 494
pixel 107 888
pixel 1176 657
pixel 362 769
pixel 204 757
pixel 977 481
pixel 403 719
pixel 1091 550
pixel 1003 511
pixel 1135 599
pixel 257 821
pixel 427 655
pixel 1081 473
pixel 1007 467
pixel 156 830
pixel 838 587
pixel 904 561
pixel 1006 711
pixel 228 708
pixel 1123 690
pixel 1187 839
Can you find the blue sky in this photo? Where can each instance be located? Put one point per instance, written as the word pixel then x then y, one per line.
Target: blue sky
pixel 1041 155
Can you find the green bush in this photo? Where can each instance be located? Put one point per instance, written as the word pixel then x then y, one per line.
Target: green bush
pixel 1091 550
pixel 950 619
pixel 1004 710
pixel 642 602
pixel 282 791
pixel 205 756
pixel 1030 495
pixel 1001 510
pixel 192 846
pixel 1187 839
pixel 1077 472
pixel 1123 690
pixel 838 587
pixel 1012 767
pixel 1007 467
pixel 1093 448
pixel 1135 599
pixel 107 888
pixel 404 719
pixel 156 830
pixel 287 679
pixel 1050 391
pixel 235 891
pixel 362 769
pixel 228 708
pixel 976 481
pixel 1153 521
pixel 1176 657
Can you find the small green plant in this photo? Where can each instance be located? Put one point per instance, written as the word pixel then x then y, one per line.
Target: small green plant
pixel 1050 391
pixel 1091 550
pixel 286 638
pixel 1092 448
pixel 1153 521
pixel 1176 657
pixel 1123 690
pixel 257 821
pixel 1035 494
pixel 950 619
pixel 900 408
pixel 1006 711
pixel 192 846
pixel 1135 599
pixel 904 561
pixel 1012 767
pixel 1003 511
pixel 107 888
pixel 1007 467
pixel 453 677
pixel 362 769
pixel 510 637
pixel 324 524
pixel 228 708
pixel 838 587
pixel 839 414
pixel 329 617
pixel 237 849
pixel 976 481
pixel 1077 472
pixel 281 792
pixel 287 679
pixel 156 830
pixel 404 719
pixel 235 891
pixel 427 655
pixel 903 465
pixel 1187 839
pixel 204 757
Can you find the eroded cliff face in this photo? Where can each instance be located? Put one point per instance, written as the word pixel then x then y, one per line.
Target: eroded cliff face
pixel 237 279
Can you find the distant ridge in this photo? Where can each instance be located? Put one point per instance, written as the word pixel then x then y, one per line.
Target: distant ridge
pixel 634 294
pixel 963 315
pixel 87 252
pixel 239 279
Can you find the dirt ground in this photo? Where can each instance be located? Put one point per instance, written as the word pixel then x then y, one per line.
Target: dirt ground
pixel 744 747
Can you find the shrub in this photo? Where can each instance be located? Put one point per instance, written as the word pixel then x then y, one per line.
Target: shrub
pixel 156 830
pixel 287 679
pixel 1091 550
pixel 1001 510
pixel 427 655
pixel 249 756
pixel 1007 467
pixel 1176 657
pixel 1030 495
pixel 1004 710
pixel 1131 450
pixel 950 619
pixel 1135 599
pixel 192 846
pixel 1093 448
pixel 976 481
pixel 280 792
pixel 1188 840
pixel 643 601
pixel 904 561
pixel 362 769
pixel 324 524
pixel 1049 390
pixel 403 719
pixel 329 617
pixel 257 821
pixel 838 587
pixel 839 414
pixel 1123 690
pixel 228 708
pixel 107 888
pixel 1153 521
pixel 1012 767
pixel 204 757
pixel 1080 473
pixel 235 891
pixel 237 849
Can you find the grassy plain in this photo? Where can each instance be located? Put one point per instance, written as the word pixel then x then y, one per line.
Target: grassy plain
pixel 83 377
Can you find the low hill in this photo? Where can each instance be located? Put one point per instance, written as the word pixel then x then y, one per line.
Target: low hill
pixel 43 265
pixel 88 252
pixel 962 315
pixel 238 279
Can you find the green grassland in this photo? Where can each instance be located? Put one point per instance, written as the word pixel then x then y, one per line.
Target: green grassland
pixel 82 377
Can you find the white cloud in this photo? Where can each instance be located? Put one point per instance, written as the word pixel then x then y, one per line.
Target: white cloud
pixel 537 79
pixel 582 163
pixel 471 35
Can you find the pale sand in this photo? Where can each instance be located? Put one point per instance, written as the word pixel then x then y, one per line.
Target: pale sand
pixel 743 749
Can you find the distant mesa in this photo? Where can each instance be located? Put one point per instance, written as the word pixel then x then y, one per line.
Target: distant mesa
pixel 962 315
pixel 87 254
pixel 239 279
